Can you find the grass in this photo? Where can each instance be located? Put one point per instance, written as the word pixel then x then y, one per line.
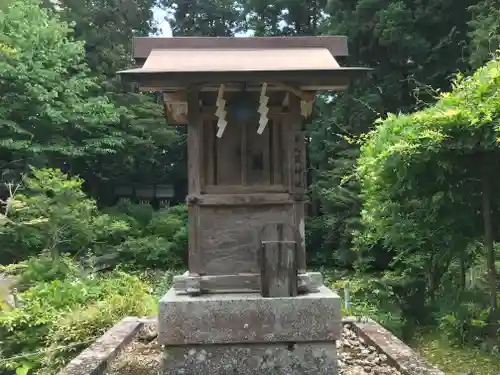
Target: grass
pixel 455 360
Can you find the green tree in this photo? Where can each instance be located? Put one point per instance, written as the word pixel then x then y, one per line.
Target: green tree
pixel 285 17
pixel 50 213
pixel 485 31
pixel 205 18
pixel 413 47
pixel 428 180
pixel 152 152
pixel 107 27
pixel 47 110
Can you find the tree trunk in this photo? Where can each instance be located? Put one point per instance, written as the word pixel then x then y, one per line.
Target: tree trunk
pixel 488 237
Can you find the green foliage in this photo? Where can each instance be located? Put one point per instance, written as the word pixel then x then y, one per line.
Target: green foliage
pixel 436 142
pixel 419 192
pixel 106 27
pixel 158 280
pixel 452 359
pixel 70 311
pixel 484 31
pixel 47 110
pixel 151 151
pixel 156 240
pixel 413 49
pixel 140 214
pixel 285 17
pixel 64 219
pixel 43 269
pixel 126 296
pixel 424 198
pixel 374 298
pixel 205 18
pixel 463 315
pixel 162 242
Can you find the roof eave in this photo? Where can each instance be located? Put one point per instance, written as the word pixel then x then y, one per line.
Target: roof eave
pixel 164 81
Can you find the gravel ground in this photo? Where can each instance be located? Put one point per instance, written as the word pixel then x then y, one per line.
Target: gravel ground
pixel 355 357
pixel 358 358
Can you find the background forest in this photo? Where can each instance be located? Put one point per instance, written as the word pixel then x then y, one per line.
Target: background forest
pixel 404 214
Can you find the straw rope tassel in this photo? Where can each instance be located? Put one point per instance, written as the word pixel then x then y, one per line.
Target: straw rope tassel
pixel 263 109
pixel 221 111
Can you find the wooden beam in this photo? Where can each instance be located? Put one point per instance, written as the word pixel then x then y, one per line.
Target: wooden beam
pixel 276 151
pixel 195 154
pixel 255 199
pixel 209 111
pixel 295 168
pixel 168 81
pixel 240 189
pixel 238 87
pixel 309 282
pixel 195 136
pixel 210 148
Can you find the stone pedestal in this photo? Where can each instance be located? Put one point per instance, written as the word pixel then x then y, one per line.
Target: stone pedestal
pixel 245 333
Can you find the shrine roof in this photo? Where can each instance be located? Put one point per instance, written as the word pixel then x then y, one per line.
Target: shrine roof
pixel 142 46
pixel 171 63
pixel 237 60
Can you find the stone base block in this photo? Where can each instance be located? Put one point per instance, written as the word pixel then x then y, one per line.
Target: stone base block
pixel 248 318
pixel 244 333
pixel 252 359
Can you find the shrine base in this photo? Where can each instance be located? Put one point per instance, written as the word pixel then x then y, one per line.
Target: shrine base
pixel 245 333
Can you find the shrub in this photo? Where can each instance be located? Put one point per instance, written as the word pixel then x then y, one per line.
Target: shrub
pixel 92 320
pixel 64 219
pixel 161 244
pixel 146 252
pixel 159 281
pixel 373 298
pixel 44 269
pixel 65 312
pixel 138 214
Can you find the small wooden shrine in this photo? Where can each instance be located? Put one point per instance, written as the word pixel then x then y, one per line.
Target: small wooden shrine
pixel 244 101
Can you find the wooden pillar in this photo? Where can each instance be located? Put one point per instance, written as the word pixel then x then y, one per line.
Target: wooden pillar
pixel 296 166
pixel 195 181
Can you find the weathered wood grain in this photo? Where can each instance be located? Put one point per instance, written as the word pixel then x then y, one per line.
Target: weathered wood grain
pixel 195 153
pixel 229 155
pixel 299 221
pixel 276 154
pixel 258 156
pixel 308 282
pixel 278 260
pixel 210 152
pixel 229 236
pixel 243 199
pixel 240 189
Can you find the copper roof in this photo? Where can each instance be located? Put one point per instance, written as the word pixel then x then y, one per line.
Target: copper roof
pixel 236 60
pixel 171 63
pixel 337 45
